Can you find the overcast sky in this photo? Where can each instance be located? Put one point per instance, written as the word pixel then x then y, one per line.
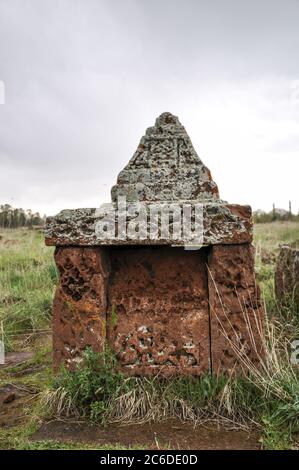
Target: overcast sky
pixel 83 79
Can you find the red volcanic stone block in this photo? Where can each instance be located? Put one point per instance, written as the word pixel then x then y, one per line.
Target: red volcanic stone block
pixel 157 319
pixel 80 302
pixel 236 311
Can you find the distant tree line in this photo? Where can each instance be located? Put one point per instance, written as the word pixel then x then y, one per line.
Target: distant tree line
pixel 261 217
pixel 15 218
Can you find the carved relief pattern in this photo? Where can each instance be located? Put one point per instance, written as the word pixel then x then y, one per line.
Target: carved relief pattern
pixel 235 307
pixel 167 167
pixel 157 317
pixel 160 309
pixel 79 309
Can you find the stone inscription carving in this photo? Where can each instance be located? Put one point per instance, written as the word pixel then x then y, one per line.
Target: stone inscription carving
pixel 158 310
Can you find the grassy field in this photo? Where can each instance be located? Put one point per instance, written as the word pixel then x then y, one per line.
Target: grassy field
pixel 27 282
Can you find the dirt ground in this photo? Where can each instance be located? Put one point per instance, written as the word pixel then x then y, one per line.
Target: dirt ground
pixel 166 435
pixel 171 434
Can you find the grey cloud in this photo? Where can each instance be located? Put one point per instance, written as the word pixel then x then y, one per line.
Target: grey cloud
pixel 85 78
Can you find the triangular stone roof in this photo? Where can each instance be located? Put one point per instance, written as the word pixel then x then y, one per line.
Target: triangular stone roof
pixel 165 167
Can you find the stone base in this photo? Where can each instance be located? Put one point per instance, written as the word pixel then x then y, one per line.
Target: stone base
pixel 236 312
pixel 80 303
pixel 158 310
pixel 163 310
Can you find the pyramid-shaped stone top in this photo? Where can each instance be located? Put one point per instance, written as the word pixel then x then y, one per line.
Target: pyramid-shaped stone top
pixel 164 172
pixel 165 167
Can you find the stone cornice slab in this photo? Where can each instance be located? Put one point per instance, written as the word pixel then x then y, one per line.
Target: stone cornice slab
pixel 220 224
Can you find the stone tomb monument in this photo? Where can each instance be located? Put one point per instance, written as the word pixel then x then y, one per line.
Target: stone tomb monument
pixel 171 294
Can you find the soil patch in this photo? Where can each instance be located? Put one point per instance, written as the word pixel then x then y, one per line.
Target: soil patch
pixel 171 434
pixel 13 359
pixel 12 403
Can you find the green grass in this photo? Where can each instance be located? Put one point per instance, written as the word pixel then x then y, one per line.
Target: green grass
pixel 267 240
pixel 27 281
pixel 267 400
pixel 272 235
pixel 58 445
pixel 89 391
pixel 18 438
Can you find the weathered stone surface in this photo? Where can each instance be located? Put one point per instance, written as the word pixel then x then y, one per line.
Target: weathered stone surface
pixel 236 311
pixel 80 303
pixel 165 171
pixel 222 224
pixel 165 167
pixel 157 319
pixel 287 276
pixel 164 310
